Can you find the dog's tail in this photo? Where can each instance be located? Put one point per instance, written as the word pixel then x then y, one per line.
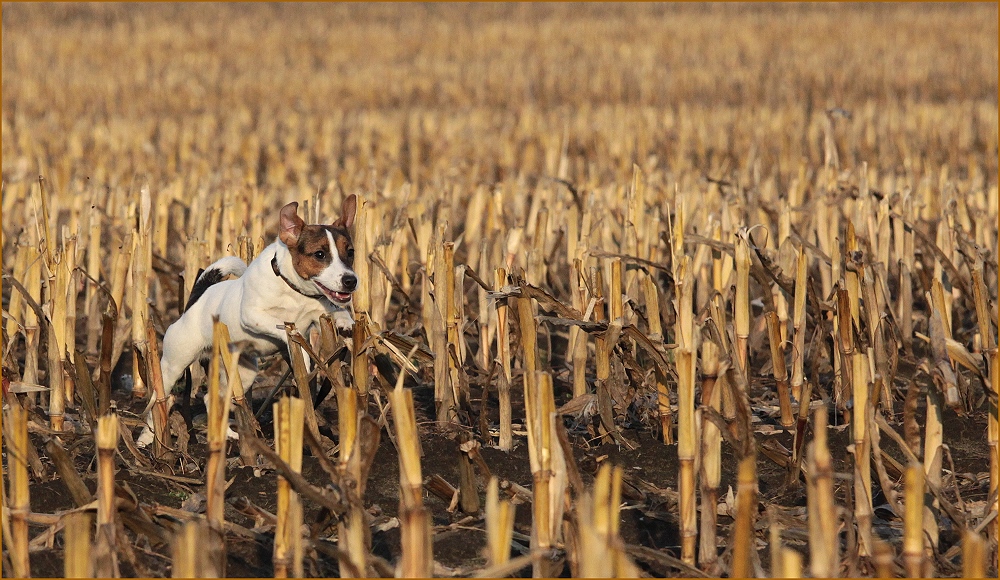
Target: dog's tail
pixel 215 274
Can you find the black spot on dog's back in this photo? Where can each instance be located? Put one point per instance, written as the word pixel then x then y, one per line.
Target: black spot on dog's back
pixel 203 282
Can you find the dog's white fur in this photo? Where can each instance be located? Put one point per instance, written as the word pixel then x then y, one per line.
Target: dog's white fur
pixel 255 307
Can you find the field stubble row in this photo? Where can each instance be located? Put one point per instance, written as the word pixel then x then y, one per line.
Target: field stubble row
pixel 633 153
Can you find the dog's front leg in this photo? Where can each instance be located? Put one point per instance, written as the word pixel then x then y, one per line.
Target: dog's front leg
pixel 263 323
pixel 306 359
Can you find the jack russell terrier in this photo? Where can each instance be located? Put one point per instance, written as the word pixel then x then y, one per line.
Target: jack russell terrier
pixel 304 274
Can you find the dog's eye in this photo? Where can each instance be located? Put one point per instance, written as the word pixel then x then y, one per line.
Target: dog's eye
pixel 350 253
pixel 319 254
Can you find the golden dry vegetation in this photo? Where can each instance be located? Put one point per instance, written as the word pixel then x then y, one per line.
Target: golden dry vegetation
pixel 589 235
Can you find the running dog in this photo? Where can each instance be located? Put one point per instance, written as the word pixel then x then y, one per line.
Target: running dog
pixel 305 273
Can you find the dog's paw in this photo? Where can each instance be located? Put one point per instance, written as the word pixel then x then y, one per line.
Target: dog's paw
pixel 145 438
pixel 344 321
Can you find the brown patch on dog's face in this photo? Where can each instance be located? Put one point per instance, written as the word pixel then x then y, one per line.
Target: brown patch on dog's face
pixel 311 253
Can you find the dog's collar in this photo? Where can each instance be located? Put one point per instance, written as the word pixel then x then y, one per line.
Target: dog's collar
pixel 277 272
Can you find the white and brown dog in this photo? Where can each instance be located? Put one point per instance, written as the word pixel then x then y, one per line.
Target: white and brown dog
pixel 305 273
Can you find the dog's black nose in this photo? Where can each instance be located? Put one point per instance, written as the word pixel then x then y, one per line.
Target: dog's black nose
pixel 350 282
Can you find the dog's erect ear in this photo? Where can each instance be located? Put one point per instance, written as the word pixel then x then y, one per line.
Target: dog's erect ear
pixel 347 211
pixel 291 224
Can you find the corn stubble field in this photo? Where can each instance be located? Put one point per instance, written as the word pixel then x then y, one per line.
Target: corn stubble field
pixel 644 289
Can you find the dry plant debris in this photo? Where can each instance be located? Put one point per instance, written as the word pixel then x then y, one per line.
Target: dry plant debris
pixel 668 290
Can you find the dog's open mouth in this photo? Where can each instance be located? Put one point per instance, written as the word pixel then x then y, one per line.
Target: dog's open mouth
pixel 336 297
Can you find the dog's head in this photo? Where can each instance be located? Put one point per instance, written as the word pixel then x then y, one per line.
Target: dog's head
pixel 322 254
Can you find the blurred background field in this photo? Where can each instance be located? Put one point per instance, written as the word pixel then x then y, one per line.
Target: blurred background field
pixel 348 88
pixel 530 135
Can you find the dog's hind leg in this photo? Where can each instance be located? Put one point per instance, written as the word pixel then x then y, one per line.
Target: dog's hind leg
pixel 181 347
